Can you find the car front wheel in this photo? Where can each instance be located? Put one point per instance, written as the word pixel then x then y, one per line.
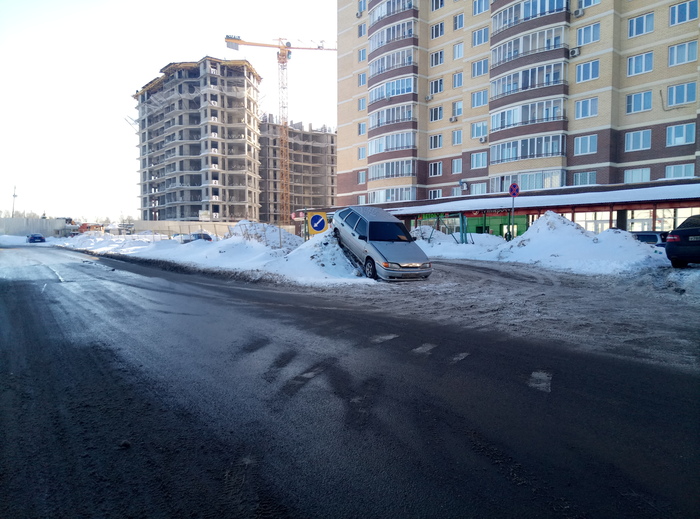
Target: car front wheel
pixel 336 232
pixel 370 269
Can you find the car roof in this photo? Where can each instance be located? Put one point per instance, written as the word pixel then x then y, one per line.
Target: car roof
pixel 691 222
pixel 374 214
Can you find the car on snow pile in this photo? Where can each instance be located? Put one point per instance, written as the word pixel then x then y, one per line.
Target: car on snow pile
pixel 187 238
pixel 657 238
pixel 683 243
pixel 36 238
pixel 381 243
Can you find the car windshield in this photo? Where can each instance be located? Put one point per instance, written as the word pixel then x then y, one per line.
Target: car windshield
pixel 388 231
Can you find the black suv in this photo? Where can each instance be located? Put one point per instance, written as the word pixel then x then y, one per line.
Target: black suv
pixel 683 243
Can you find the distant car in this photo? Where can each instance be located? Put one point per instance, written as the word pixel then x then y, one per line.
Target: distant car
pixel 36 238
pixel 381 243
pixel 657 238
pixel 683 243
pixel 187 238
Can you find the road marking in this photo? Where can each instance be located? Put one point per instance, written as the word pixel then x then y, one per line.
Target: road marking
pixel 458 357
pixel 425 349
pixel 541 380
pixel 57 274
pixel 378 339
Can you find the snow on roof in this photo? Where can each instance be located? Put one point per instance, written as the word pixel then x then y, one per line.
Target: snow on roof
pixel 644 194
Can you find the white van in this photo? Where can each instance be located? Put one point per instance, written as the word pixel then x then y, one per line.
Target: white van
pixel 381 243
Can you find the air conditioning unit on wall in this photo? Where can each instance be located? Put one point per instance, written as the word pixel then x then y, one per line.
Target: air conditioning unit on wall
pixel 578 13
pixel 428 97
pixel 453 119
pixel 482 140
pixel 575 51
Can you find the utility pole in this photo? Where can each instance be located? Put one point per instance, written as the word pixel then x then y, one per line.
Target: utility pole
pixel 14 195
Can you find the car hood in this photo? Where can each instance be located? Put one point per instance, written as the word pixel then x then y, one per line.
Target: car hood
pixel 400 252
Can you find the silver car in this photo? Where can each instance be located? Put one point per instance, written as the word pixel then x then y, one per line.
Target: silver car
pixel 381 243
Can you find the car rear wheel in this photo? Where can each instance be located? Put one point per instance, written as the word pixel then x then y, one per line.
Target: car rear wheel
pixel 370 269
pixel 336 233
pixel 679 264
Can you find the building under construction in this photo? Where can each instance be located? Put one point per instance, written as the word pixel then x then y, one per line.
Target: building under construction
pixel 199 146
pixel 312 169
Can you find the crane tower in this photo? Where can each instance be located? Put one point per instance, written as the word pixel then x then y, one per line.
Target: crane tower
pixel 284 53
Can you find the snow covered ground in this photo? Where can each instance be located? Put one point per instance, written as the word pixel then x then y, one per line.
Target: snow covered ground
pixel 552 242
pixel 604 293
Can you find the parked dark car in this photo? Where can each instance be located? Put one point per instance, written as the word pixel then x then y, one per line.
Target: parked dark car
pixel 36 238
pixel 188 238
pixel 683 243
pixel 657 238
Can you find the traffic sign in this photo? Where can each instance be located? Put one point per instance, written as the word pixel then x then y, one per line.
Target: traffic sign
pixel 514 190
pixel 318 222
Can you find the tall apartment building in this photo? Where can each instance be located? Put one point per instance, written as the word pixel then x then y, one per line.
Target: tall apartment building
pixel 199 142
pixel 451 98
pixel 312 160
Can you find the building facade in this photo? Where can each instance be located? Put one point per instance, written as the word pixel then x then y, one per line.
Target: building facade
pixel 312 162
pixel 199 142
pixel 442 99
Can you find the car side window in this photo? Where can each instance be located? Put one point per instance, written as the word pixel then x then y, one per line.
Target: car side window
pixel 361 227
pixel 342 214
pixel 351 220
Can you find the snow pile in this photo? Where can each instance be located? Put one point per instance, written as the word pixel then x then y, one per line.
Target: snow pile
pixel 270 235
pixel 556 243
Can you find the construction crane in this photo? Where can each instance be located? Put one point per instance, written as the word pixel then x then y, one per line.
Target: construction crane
pixel 284 53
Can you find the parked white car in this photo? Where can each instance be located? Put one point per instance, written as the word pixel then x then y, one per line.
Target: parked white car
pixel 381 243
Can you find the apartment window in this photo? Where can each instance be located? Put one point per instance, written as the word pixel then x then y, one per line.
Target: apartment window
pixel 637 175
pixel 434 193
pixel 362 30
pixel 457 108
pixel 587 71
pixel 436 86
pixel 362 152
pixel 361 128
pixel 361 199
pixel 586 145
pixel 437 30
pixel 362 103
pixel 640 25
pixel 458 21
pixel 480 6
pixel 680 134
pixel 587 108
pixel 682 94
pixel 587 3
pixel 362 79
pixel 457 166
pixel 437 58
pixel 584 178
pixel 683 12
pixel 478 189
pixel 436 4
pixel 640 64
pixel 362 177
pixel 480 36
pixel 435 141
pixel 436 113
pixel 682 53
pixel 362 55
pixel 361 6
pixel 457 80
pixel 480 98
pixel 479 130
pixel 458 51
pixel 481 67
pixel 435 169
pixel 588 34
pixel 639 140
pixel 479 160
pixel 456 137
pixel 680 171
pixel 456 191
pixel 639 102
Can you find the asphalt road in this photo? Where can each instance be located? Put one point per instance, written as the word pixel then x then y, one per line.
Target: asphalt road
pixel 131 391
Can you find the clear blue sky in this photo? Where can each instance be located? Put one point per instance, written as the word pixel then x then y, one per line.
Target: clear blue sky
pixel 71 68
